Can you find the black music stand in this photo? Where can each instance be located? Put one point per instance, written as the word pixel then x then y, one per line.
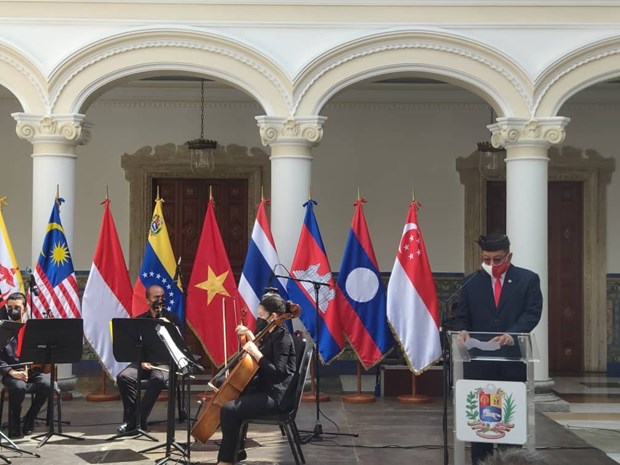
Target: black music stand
pixel 172 392
pixel 8 330
pixel 52 341
pixel 135 341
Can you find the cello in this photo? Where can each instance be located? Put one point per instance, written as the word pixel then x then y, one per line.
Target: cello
pixel 242 368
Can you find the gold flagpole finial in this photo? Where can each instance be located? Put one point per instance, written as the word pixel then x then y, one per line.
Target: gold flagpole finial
pixel 359 197
pixel 157 197
pixel 107 192
pixel 211 193
pixel 262 194
pixel 309 193
pixel 413 194
pixel 3 203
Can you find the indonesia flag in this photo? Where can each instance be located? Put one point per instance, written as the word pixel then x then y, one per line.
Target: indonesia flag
pixel 107 294
pixel 361 296
pixel 260 265
pixel 311 267
pixel 412 308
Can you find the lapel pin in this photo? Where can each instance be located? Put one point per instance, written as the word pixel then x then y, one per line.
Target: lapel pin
pixel 510 281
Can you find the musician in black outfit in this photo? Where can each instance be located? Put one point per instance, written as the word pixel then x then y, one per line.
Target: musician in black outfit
pixel 19 380
pixel 272 390
pixel 127 379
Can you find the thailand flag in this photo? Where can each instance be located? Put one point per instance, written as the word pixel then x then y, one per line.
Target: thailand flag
pixel 311 266
pixel 362 296
pixel 260 266
pixel 412 307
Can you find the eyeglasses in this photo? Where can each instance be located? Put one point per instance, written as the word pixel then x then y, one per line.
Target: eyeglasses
pixel 494 260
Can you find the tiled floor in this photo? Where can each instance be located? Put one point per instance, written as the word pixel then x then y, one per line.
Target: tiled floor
pixel 594 410
pixel 388 432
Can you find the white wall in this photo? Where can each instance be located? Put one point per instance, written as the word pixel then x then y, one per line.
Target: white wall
pixel 386 149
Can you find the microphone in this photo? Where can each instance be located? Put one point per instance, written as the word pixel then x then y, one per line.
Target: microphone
pixel 32 282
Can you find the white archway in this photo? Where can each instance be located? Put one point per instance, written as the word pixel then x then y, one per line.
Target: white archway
pixel 89 72
pixel 457 60
pixel 21 76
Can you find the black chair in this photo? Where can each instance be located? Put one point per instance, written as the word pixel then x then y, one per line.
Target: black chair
pixel 180 394
pixel 58 401
pixel 286 420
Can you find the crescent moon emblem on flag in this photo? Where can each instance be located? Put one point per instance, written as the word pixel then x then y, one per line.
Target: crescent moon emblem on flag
pixel 408 227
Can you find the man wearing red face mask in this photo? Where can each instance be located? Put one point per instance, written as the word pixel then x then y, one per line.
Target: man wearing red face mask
pixel 500 298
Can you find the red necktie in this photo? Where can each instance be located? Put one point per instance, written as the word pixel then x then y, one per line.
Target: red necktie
pixel 497 291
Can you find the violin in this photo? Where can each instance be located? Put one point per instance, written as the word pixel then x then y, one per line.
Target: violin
pixel 242 369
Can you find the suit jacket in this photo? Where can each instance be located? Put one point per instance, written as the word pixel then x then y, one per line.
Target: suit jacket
pixel 520 304
pixel 277 367
pixel 519 311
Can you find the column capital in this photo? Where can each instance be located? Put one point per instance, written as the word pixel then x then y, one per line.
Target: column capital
pixel 71 128
pixel 276 130
pixel 538 132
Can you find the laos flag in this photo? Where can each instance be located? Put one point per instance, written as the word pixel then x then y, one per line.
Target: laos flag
pixel 361 296
pixel 311 267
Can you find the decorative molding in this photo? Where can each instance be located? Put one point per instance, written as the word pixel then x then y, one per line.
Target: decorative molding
pixel 172 43
pixel 508 132
pixel 565 164
pixel 71 128
pixel 118 103
pixel 278 130
pixel 363 51
pixel 29 77
pixel 173 161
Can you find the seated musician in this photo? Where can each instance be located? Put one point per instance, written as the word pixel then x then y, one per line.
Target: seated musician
pixel 271 391
pixel 20 380
pixel 127 379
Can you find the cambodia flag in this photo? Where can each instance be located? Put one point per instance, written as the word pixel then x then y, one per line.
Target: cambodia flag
pixel 311 265
pixel 261 263
pixel 362 296
pixel 412 307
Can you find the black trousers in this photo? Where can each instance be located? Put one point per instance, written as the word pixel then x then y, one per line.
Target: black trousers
pixel 250 405
pixel 127 381
pixel 497 371
pixel 39 384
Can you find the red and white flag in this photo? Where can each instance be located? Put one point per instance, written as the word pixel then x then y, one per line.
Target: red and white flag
pixel 107 294
pixel 412 307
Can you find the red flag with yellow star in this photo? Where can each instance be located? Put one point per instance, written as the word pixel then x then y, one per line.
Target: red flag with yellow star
pixel 212 300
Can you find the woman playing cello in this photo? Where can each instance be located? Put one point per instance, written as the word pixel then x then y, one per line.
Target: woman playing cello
pixel 271 391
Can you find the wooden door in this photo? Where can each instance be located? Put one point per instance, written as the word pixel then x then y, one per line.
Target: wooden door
pixel 566 248
pixel 185 205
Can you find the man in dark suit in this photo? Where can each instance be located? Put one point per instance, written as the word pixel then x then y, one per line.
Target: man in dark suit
pixel 501 298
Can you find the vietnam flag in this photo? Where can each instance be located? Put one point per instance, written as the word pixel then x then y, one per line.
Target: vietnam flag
pixel 107 294
pixel 212 298
pixel 412 307
pixel 361 296
pixel 310 265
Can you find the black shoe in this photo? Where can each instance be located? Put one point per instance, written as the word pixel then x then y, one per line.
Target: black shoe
pixel 242 455
pixel 28 427
pixel 15 435
pixel 126 428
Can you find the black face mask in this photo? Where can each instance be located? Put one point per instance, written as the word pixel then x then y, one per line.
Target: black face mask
pixel 261 324
pixel 15 314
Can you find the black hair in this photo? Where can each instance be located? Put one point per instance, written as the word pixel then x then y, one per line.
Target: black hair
pixel 273 303
pixel 17 296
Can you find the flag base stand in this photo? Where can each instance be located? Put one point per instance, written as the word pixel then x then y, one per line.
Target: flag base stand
pixel 312 395
pixel 358 397
pixel 102 395
pixel 414 398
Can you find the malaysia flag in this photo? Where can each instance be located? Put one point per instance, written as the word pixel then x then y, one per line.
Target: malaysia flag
pixel 362 297
pixel 311 266
pixel 261 263
pixel 412 307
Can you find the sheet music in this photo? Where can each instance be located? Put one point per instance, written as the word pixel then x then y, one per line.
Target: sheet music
pixel 473 343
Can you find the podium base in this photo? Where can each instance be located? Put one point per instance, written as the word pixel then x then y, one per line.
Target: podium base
pixel 414 399
pixel 311 397
pixel 359 398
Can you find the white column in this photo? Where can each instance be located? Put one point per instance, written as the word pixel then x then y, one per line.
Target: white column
pixel 54 140
pixel 527 142
pixel 291 141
